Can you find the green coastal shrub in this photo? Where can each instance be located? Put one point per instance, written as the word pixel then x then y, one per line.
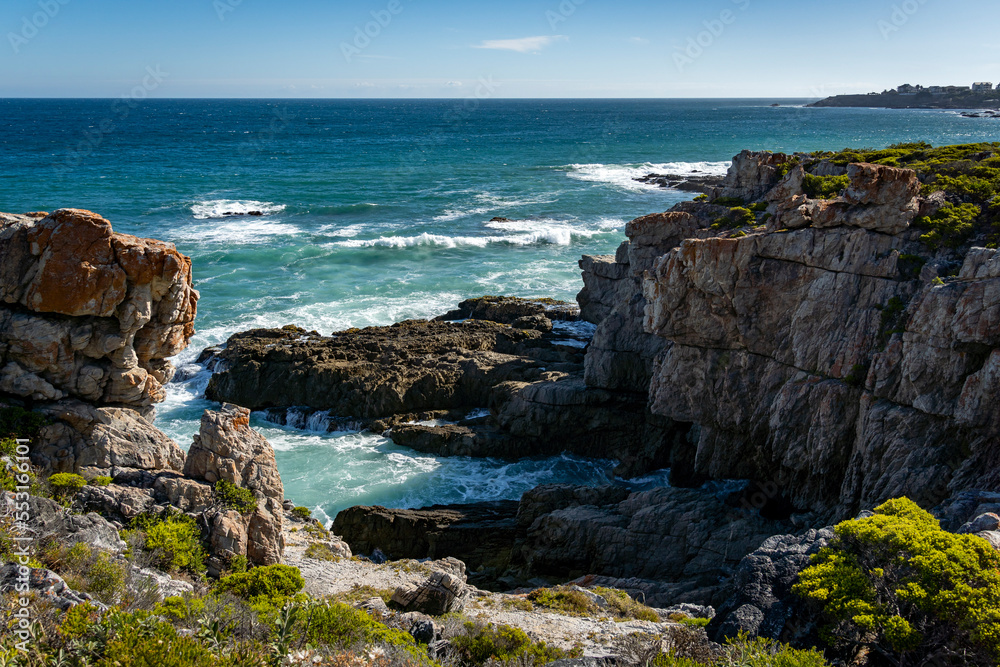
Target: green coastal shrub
pixel 899 585
pixel 824 187
pixel 174 542
pixel 65 484
pixel 273 581
pixel 302 513
pixel 480 643
pixel 101 480
pixel 951 227
pixel 342 626
pixel 20 423
pixel 235 497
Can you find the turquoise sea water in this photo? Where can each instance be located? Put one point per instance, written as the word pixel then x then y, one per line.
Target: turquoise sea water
pixel 377 211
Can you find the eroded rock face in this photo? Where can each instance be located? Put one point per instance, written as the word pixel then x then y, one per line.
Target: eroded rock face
pixel 810 356
pixel 87 313
pixel 480 535
pixel 665 535
pixel 374 373
pixel 102 440
pixel 226 448
pixel 752 175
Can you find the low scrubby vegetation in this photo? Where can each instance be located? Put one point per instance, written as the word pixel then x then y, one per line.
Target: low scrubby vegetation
pixel 598 602
pixel 968 174
pixel 173 542
pixel 897 585
pixel 235 497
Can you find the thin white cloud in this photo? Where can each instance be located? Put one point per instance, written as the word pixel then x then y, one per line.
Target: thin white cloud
pixel 454 84
pixel 638 40
pixel 522 45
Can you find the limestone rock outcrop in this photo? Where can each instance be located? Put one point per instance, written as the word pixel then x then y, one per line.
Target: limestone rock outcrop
pixel 805 352
pixel 87 313
pixel 102 440
pixel 88 319
pixel 226 448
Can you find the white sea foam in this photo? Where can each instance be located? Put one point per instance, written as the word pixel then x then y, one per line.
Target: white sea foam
pixel 489 203
pixel 233 231
pixel 224 208
pixel 518 233
pixel 624 175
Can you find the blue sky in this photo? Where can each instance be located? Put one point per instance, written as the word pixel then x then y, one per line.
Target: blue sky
pixel 514 48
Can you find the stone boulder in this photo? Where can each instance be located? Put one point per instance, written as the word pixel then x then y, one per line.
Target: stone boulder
pixel 760 600
pixel 87 313
pixel 101 441
pixel 440 594
pixel 480 535
pixel 226 448
pixel 46 585
pixel 50 521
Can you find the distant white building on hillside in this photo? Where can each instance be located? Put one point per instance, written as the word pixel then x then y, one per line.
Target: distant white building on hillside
pixel 982 86
pixel 907 89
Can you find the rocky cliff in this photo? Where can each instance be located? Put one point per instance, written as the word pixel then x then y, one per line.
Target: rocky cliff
pixel 804 349
pixel 88 319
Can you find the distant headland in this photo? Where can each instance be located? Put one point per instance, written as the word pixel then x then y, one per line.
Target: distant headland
pixel 980 95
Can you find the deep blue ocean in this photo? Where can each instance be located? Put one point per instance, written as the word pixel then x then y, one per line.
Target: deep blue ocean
pixel 378 211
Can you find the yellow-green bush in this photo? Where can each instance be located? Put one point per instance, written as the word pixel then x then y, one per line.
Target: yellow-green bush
pixel 272 581
pixel 173 541
pixel 824 187
pixel 65 484
pixel 235 497
pixel 899 584
pixel 950 227
pixel 480 643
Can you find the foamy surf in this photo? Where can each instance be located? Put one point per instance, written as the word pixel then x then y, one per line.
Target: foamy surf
pixel 489 203
pixel 624 175
pixel 233 231
pixel 525 233
pixel 229 208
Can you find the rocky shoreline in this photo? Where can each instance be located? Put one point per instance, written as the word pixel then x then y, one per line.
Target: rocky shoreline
pixel 794 355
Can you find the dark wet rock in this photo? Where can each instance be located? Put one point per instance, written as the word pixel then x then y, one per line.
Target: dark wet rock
pixel 480 535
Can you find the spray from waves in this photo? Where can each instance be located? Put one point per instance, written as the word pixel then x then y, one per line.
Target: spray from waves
pixel 232 231
pixel 623 175
pixel 525 232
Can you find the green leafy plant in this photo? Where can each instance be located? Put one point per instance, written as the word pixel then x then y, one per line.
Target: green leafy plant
pixel 480 643
pixel 273 581
pixel 65 484
pixel 235 497
pixel 174 542
pixel 302 513
pixel 950 227
pixel 897 584
pixel 101 480
pixel 824 187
